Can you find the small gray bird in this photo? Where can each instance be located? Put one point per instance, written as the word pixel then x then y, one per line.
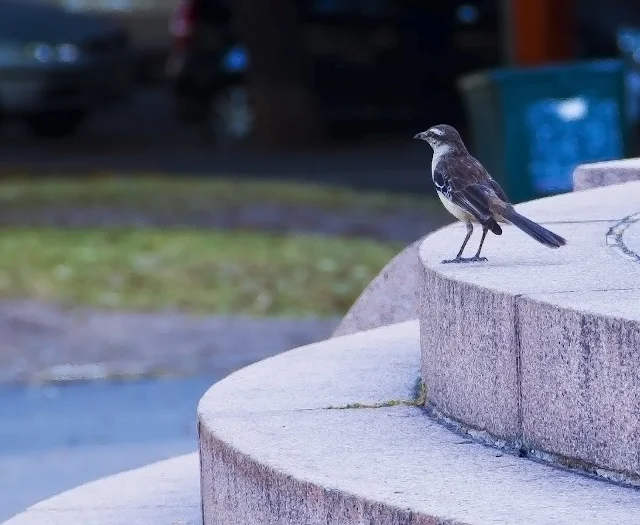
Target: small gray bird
pixel 470 194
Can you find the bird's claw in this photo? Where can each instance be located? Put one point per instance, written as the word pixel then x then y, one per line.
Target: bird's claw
pixel 456 260
pixel 464 260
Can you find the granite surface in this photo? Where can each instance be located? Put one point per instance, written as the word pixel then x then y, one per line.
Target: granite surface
pixel 599 174
pixel 540 347
pixel 163 493
pixel 393 296
pixel 300 444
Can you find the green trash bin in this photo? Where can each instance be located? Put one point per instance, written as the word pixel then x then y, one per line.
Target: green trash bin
pixel 531 127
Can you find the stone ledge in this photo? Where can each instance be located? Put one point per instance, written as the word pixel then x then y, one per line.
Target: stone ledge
pixel 599 174
pixel 393 296
pixel 164 493
pixel 540 348
pixel 330 434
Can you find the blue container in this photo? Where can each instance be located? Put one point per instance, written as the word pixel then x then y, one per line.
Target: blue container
pixel 531 127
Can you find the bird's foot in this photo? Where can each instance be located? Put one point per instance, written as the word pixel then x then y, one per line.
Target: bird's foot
pixel 456 260
pixel 464 260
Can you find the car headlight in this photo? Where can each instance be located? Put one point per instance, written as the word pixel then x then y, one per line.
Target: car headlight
pixel 42 52
pixel 68 53
pixel 47 53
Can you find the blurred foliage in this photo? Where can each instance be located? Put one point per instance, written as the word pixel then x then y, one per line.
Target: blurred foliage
pixel 189 270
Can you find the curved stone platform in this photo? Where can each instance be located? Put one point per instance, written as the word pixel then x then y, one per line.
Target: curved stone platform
pixel 393 296
pixel 164 493
pixel 537 348
pixel 331 434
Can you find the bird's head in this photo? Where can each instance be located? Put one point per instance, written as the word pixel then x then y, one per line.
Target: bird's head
pixel 441 135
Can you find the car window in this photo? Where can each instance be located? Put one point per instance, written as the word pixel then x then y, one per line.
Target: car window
pixel 364 8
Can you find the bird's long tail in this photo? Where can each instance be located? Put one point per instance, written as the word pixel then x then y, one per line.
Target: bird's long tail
pixel 539 233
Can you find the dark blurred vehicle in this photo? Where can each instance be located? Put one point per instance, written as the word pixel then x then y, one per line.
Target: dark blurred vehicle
pixel 379 65
pixel 146 24
pixel 56 66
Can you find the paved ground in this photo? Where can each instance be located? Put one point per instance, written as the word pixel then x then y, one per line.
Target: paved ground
pixel 55 438
pixel 42 342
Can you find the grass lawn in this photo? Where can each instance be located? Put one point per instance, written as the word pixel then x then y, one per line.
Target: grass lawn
pixel 191 270
pixel 149 194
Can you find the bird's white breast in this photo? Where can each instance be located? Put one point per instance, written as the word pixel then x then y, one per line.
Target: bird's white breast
pixel 454 209
pixel 438 153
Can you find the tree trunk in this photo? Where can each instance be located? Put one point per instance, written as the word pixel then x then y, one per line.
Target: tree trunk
pixel 287 111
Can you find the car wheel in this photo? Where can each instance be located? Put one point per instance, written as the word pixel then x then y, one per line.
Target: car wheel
pixel 54 124
pixel 231 118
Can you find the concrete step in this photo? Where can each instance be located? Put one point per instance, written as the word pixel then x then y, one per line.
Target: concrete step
pixel 538 348
pixel 333 433
pixel 598 174
pixel 163 493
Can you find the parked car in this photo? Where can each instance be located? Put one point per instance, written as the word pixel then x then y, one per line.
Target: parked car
pixel 56 67
pixel 146 23
pixel 379 65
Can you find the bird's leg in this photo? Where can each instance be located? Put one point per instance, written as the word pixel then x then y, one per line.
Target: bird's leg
pixel 459 257
pixel 477 257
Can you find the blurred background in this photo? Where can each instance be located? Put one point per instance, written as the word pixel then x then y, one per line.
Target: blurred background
pixel 183 85
pixel 187 186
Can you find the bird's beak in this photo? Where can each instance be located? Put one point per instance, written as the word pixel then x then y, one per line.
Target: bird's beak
pixel 420 135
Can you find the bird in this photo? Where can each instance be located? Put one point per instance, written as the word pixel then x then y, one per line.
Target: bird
pixel 471 195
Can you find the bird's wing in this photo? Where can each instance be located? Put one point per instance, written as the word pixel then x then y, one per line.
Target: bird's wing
pixel 471 197
pixel 480 175
pixel 498 190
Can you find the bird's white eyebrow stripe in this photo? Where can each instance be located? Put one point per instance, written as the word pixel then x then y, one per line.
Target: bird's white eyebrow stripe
pixel 437 131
